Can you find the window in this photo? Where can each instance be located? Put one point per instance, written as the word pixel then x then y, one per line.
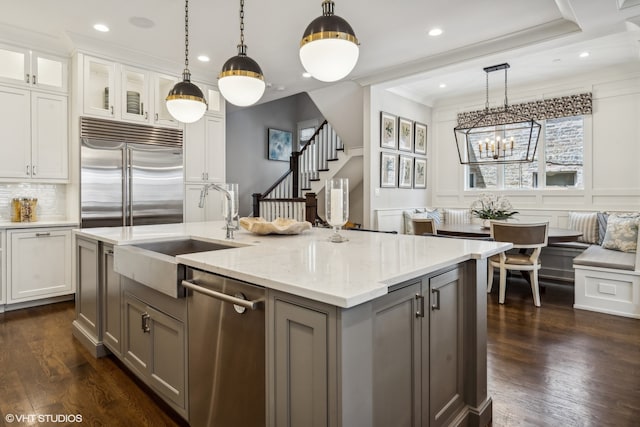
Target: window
pixel 558 162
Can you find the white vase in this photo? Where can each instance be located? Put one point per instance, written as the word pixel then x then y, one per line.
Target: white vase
pixel 486 223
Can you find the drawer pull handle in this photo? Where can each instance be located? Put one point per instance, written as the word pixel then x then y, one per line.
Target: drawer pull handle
pixel 420 310
pixel 43 234
pixel 436 305
pixel 145 323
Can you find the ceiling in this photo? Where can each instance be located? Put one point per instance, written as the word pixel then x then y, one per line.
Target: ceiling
pixel 541 39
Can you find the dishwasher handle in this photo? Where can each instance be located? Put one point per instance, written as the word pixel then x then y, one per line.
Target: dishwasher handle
pixel 253 305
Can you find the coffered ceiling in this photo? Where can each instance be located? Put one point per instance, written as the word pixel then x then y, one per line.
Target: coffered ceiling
pixel 541 39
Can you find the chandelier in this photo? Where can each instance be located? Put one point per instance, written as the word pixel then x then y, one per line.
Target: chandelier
pixel 497 135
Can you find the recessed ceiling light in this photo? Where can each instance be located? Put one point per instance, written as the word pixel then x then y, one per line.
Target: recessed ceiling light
pixel 584 54
pixel 557 60
pixel 306 75
pixel 101 27
pixel 203 58
pixel 280 88
pixel 443 85
pixel 141 22
pixel 435 32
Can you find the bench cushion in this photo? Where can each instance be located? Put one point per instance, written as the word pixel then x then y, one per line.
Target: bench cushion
pixel 409 214
pixel 570 245
pixel 597 256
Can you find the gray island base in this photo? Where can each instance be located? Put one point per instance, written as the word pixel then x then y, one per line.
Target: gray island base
pixel 385 330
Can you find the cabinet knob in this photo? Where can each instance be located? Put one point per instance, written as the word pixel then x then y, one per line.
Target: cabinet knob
pixel 28 173
pixel 27 78
pixel 156 117
pixel 33 170
pixel 34 79
pixel 111 109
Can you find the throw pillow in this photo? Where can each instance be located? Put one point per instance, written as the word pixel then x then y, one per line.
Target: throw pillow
pixel 621 234
pixel 457 216
pixel 587 224
pixel 602 226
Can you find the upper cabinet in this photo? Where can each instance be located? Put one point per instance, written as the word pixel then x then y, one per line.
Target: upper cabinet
pixel 27 68
pixel 35 123
pixel 130 94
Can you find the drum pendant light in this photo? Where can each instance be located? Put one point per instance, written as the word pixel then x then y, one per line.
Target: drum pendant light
pixel 241 81
pixel 329 47
pixel 185 101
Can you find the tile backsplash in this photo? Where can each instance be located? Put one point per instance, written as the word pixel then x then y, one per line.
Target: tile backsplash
pixel 52 199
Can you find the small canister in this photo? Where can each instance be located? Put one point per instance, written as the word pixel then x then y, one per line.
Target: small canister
pixel 28 209
pixel 16 209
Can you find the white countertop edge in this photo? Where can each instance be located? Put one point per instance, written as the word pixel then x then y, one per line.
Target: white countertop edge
pixel 8 225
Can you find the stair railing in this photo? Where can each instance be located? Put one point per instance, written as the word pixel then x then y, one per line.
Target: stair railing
pixel 284 198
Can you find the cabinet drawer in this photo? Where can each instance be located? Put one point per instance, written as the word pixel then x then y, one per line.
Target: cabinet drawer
pixel 39 264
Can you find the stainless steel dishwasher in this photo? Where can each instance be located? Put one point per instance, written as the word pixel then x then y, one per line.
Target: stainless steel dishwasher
pixel 226 327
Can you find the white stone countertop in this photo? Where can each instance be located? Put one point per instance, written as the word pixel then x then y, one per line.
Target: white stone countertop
pixel 342 274
pixel 37 224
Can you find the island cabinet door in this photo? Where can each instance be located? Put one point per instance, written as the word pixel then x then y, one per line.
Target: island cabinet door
pixel 302 363
pixel 87 308
pixel 137 338
pixel 446 347
pixel 398 325
pixel 112 302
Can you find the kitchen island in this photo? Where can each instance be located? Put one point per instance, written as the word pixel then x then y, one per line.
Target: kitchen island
pixel 380 330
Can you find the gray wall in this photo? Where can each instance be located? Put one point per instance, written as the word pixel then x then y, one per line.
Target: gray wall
pixel 246 149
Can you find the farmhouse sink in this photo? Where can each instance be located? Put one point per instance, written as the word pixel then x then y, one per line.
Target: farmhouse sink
pixel 154 264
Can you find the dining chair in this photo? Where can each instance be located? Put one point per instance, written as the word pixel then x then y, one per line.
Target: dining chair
pixel 523 236
pixel 422 226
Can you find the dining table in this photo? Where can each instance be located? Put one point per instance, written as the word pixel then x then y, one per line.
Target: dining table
pixel 556 235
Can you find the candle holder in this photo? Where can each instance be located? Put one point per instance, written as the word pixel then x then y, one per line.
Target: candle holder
pixel 337 206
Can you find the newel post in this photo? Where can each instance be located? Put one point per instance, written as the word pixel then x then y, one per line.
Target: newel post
pixel 294 163
pixel 311 207
pixel 256 204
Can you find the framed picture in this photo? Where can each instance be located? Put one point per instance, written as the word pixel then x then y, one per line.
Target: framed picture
pixel 419 173
pixel 279 145
pixel 388 131
pixel 405 172
pixel 405 134
pixel 420 138
pixel 388 168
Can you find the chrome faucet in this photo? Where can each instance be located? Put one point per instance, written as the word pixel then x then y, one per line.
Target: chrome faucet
pixel 229 214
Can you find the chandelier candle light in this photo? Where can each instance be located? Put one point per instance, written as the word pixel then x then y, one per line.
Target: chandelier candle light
pixel 185 101
pixel 337 206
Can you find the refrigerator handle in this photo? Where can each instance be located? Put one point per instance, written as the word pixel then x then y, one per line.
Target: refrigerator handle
pixel 130 185
pixel 125 185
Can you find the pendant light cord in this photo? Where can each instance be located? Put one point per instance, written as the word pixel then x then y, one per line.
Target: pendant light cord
pixel 186 36
pixel 506 101
pixel 242 22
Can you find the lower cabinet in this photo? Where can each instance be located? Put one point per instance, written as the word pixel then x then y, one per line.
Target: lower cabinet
pixel 38 264
pixel 3 269
pixel 395 361
pixel 154 347
pixel 87 298
pixel 111 291
pixel 302 377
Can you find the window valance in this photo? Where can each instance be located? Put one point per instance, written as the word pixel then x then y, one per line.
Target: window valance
pixel 565 106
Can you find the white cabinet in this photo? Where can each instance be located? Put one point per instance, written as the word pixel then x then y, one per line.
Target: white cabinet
pixel 126 93
pixel 38 263
pixel 36 124
pixel 215 102
pixel 205 150
pixel 32 69
pixel 212 209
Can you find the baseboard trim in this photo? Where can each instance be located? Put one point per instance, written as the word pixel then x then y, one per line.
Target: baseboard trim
pixel 96 348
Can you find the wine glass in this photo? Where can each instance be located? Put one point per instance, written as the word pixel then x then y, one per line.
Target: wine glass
pixel 337 206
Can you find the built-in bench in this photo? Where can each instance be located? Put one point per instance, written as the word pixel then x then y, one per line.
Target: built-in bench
pixel 557 260
pixel 608 281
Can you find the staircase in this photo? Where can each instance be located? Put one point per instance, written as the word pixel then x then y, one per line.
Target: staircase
pixel 293 195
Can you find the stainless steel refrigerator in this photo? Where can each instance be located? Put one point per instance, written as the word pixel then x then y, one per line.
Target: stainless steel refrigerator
pixel 130 183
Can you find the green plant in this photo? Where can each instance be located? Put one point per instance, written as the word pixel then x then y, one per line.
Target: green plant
pixel 490 206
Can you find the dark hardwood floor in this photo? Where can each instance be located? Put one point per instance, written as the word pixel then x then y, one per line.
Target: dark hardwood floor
pixel 557 366
pixel 549 366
